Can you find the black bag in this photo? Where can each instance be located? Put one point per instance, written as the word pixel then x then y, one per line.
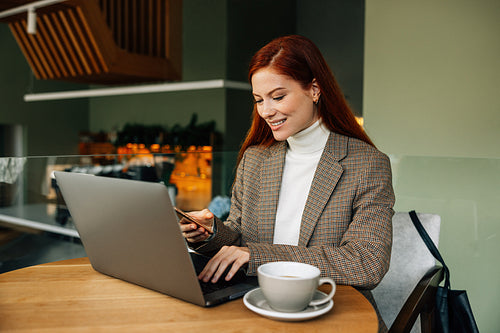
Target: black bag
pixel 454 314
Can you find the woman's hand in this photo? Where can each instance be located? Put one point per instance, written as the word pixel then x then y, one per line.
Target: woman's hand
pixel 227 256
pixel 194 233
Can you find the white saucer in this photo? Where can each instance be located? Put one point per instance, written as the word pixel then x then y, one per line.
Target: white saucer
pixel 255 301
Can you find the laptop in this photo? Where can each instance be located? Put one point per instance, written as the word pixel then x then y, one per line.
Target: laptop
pixel 130 231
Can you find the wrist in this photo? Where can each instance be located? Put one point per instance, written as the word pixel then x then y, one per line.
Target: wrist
pixel 214 231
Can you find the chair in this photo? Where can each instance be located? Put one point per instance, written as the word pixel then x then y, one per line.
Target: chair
pixel 408 289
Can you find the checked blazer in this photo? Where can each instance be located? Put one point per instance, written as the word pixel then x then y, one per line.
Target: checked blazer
pixel 346 228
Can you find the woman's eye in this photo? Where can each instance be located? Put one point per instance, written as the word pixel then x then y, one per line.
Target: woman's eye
pixel 257 101
pixel 279 98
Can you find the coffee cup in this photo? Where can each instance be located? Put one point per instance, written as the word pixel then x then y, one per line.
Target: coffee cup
pixel 290 286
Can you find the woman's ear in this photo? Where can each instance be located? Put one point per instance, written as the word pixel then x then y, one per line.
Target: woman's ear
pixel 315 90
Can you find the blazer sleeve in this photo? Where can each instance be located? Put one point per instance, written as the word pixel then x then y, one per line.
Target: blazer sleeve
pixel 361 257
pixel 227 233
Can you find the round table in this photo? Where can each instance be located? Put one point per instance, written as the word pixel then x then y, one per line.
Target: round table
pixel 70 295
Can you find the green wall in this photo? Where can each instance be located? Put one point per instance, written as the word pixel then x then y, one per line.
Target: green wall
pixel 337 28
pixel 431 78
pixel 50 128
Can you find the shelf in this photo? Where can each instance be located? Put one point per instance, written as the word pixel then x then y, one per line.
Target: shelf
pixel 138 89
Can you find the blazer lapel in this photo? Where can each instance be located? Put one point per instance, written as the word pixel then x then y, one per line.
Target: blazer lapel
pixel 272 172
pixel 324 182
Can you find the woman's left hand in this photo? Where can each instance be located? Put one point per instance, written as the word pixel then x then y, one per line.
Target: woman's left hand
pixel 227 256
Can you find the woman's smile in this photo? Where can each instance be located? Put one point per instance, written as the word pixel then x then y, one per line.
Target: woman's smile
pixel 274 125
pixel 278 123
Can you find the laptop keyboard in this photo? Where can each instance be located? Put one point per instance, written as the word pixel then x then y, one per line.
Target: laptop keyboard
pixel 209 287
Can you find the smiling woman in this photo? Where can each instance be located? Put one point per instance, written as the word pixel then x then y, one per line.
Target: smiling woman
pixel 283 103
pixel 310 186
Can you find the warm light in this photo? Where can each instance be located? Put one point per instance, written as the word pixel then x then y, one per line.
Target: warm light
pixel 192 174
pixel 360 121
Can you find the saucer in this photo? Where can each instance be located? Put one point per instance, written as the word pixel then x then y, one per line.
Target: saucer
pixel 255 301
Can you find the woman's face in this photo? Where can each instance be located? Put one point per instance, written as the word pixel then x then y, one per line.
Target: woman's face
pixel 282 102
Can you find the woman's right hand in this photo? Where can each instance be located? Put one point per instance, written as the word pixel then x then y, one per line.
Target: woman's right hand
pixel 194 233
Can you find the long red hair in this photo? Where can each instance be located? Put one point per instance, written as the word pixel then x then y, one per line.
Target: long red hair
pixel 299 58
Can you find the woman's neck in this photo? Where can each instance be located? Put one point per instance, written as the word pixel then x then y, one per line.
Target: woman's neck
pixel 309 140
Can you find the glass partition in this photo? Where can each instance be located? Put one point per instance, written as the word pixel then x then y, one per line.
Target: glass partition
pixel 32 207
pixel 195 177
pixel 465 192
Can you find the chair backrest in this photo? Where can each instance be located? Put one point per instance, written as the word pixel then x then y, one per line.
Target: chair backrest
pixel 410 260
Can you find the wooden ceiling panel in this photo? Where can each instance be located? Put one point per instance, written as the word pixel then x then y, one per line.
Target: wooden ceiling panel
pixel 26 47
pixel 104 41
pixel 47 35
pixel 61 52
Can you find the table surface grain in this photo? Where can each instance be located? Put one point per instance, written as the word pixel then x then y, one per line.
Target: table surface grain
pixel 70 296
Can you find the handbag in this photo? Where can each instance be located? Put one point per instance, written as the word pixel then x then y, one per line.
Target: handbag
pixel 454 313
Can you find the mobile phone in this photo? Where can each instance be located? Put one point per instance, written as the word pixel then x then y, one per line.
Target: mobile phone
pixel 182 214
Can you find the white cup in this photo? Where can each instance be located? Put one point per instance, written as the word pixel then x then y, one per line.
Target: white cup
pixel 290 286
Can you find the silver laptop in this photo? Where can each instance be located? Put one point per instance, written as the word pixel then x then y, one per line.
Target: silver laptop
pixel 130 231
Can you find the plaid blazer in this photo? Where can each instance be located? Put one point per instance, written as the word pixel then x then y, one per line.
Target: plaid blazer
pixel 346 228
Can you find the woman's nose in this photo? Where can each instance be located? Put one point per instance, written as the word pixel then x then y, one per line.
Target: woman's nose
pixel 267 110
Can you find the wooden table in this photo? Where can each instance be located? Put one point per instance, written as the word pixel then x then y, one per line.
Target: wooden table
pixel 70 296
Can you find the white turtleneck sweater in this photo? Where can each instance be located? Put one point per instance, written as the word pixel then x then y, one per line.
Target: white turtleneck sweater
pixel 301 160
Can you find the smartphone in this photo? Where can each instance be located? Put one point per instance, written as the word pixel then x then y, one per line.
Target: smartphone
pixel 182 214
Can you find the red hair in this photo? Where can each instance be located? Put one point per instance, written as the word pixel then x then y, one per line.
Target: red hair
pixel 299 58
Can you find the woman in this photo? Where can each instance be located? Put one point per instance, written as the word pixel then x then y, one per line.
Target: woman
pixel 310 185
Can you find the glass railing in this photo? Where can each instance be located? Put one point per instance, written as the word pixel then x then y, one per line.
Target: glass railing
pixel 28 188
pixel 36 226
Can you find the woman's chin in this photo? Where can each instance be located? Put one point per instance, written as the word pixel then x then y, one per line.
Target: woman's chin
pixel 280 137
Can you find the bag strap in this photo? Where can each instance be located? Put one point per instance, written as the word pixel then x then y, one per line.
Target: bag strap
pixel 430 245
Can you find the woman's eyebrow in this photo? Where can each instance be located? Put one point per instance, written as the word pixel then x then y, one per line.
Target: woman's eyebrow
pixel 270 92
